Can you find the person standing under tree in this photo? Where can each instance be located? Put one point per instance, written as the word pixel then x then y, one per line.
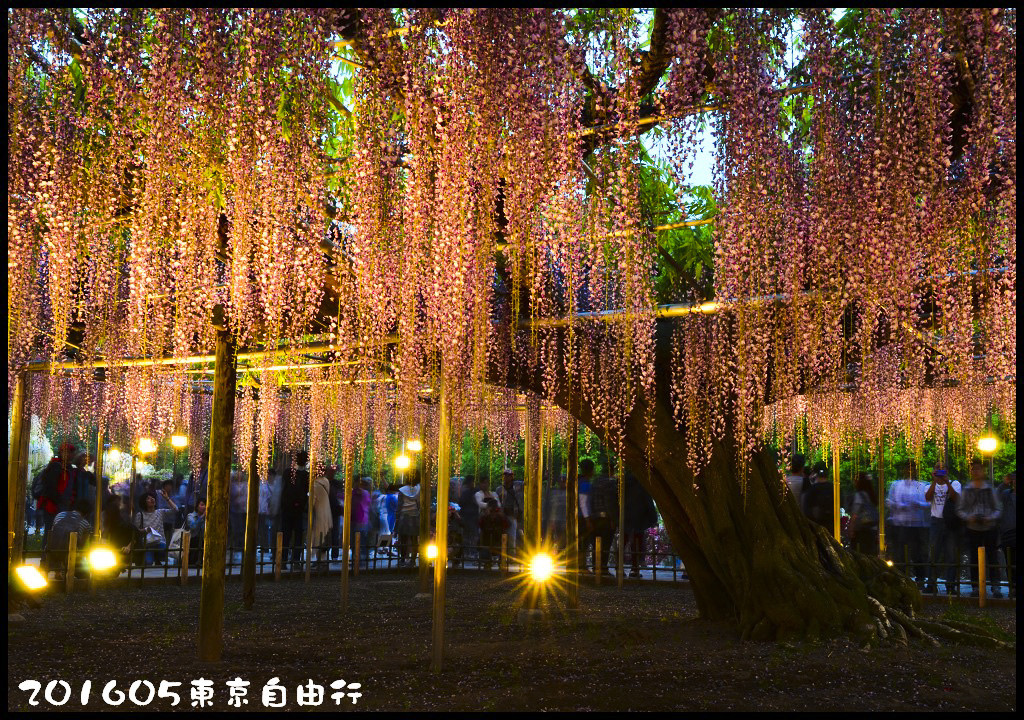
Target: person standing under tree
pixel 942 538
pixel 640 514
pixel 407 519
pixel 979 509
pixel 294 496
pixel 1007 492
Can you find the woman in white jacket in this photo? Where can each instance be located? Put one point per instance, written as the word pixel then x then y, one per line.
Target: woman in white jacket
pixel 322 519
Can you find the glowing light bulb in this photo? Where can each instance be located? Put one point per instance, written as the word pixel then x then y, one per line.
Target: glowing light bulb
pixel 179 440
pixel 414 446
pixel 431 551
pixel 402 462
pixel 146 446
pixel 987 444
pixel 541 567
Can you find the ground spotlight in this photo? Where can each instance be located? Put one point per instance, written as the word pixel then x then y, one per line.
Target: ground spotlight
pixel 30 577
pixel 102 559
pixel 541 567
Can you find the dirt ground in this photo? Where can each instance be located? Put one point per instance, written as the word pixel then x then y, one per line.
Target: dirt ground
pixel 641 648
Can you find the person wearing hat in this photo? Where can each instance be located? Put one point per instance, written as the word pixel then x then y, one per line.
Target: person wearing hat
pixel 942 539
pixel 54 487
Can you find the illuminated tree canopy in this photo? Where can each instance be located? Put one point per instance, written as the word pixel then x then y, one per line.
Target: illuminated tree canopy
pixel 502 199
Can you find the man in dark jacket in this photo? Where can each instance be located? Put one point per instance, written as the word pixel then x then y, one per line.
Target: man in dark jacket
pixel 604 516
pixel 54 487
pixel 469 516
pixel 640 514
pixel 294 496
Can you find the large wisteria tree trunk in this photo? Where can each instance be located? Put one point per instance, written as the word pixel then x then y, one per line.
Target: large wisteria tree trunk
pixel 752 556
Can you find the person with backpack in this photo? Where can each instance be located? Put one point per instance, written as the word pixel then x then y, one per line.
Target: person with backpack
pixel 54 487
pixel 944 534
pixel 979 509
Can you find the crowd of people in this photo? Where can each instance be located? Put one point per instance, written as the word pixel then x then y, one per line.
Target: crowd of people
pixel 929 523
pixel 150 518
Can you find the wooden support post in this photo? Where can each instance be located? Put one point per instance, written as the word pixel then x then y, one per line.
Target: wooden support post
pixel 346 528
pixel 424 534
pixel 17 469
pixel 98 472
pixel 538 484
pixel 835 495
pixel 528 471
pixel 441 526
pixel 277 555
pixel 622 524
pixel 131 491
pixel 981 576
pixel 309 503
pixel 881 498
pixel 211 600
pixel 355 554
pixel 69 575
pixel 251 531
pixel 572 507
pixel 186 546
pixel 597 560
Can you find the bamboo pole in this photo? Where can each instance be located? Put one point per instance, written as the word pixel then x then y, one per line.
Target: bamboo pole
pixel 17 467
pixel 211 601
pixel 69 575
pixel 251 532
pixel 572 507
pixel 441 525
pixel 309 504
pixel 346 528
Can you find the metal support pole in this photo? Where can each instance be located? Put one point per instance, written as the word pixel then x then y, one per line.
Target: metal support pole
pixel 835 495
pixel 531 474
pixel 251 531
pixel 598 565
pixel 572 507
pixel 622 524
pixel 17 469
pixel 441 524
pixel 211 599
pixel 346 529
pixel 309 502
